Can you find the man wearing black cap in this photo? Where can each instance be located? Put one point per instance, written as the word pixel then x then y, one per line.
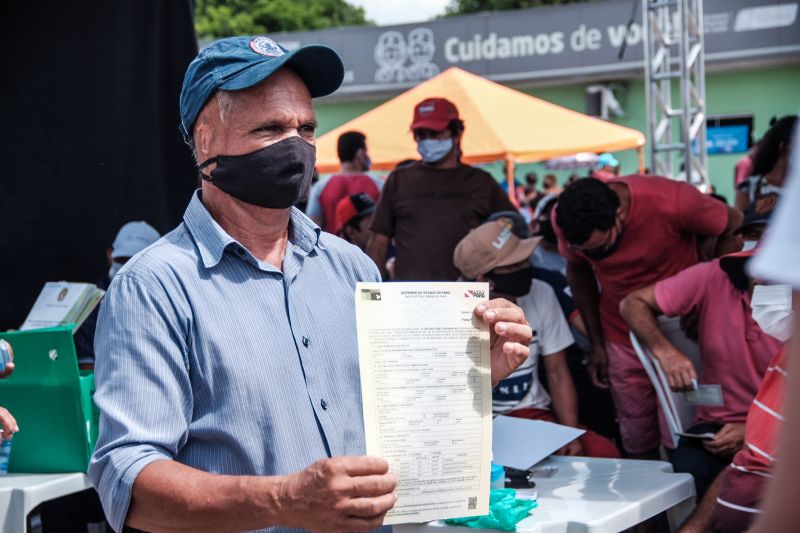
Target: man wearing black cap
pixel 752 229
pixel 428 206
pixel 227 368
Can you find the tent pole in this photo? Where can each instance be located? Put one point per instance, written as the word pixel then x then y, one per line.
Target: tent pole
pixel 640 152
pixel 510 181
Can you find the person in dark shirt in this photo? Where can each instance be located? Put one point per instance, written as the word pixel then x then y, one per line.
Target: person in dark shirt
pixel 429 206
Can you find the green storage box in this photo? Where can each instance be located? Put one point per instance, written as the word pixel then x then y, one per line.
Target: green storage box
pixel 52 401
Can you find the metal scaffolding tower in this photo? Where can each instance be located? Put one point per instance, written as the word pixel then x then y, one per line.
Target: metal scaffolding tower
pixel 673 46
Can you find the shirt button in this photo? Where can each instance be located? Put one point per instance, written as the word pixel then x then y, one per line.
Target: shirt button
pixel 323 404
pixel 305 341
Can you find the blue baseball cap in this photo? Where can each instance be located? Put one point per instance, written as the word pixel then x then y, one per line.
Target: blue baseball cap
pixel 607 160
pixel 237 63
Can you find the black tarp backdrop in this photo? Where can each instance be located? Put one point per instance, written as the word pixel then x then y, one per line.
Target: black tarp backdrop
pixel 88 134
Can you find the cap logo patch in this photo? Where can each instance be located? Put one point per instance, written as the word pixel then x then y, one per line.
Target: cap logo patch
pixel 266 47
pixel 502 239
pixel 425 109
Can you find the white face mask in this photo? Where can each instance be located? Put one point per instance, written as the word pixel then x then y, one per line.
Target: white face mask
pixel 113 270
pixel 433 150
pixel 772 310
pixel 749 245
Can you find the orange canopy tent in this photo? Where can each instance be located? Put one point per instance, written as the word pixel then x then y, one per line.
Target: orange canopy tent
pixel 500 124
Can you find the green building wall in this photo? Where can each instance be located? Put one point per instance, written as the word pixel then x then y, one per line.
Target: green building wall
pixel 763 93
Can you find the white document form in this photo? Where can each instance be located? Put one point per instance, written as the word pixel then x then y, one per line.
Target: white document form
pixel 427 394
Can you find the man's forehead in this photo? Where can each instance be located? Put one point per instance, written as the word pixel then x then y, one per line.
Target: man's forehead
pixel 282 81
pixel 283 95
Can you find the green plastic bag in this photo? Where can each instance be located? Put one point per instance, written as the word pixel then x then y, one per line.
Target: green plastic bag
pixel 505 512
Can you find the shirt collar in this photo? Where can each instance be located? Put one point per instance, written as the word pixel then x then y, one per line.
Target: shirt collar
pixel 304 233
pixel 212 240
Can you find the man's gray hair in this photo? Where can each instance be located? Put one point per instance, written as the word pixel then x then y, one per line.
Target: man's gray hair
pixel 227 102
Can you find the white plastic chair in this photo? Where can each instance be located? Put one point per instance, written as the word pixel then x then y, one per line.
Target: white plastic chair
pixel 678 412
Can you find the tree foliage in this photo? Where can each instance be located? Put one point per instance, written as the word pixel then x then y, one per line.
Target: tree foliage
pixel 463 7
pixel 223 18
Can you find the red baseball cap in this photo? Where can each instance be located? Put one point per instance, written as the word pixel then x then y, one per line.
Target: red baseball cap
pixel 434 114
pixel 352 206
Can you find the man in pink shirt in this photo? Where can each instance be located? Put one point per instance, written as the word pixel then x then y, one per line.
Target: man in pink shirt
pixel 735 354
pixel 622 235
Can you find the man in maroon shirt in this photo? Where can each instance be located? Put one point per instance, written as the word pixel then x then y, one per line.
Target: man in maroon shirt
pixel 624 234
pixel 427 207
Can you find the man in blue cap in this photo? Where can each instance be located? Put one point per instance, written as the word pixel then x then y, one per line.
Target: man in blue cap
pixel 227 368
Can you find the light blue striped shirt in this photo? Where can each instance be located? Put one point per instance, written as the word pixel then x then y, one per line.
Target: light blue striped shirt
pixel 210 357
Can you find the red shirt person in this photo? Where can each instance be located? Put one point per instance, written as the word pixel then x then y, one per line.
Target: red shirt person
pixel 622 235
pixel 326 194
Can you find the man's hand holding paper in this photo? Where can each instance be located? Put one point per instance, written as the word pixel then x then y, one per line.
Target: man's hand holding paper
pixel 340 494
pixel 510 336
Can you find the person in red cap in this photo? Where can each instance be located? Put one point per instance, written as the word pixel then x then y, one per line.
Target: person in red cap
pixel 428 206
pixel 353 218
pixel 735 354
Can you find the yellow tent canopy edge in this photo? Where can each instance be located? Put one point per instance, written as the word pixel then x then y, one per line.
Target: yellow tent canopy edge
pixel 501 124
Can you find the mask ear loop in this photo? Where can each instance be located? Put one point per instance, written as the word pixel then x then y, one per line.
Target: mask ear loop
pixel 203 165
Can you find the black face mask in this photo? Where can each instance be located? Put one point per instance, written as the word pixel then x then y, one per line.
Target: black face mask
pixel 597 255
pixel 547 232
pixel 276 176
pixel 514 284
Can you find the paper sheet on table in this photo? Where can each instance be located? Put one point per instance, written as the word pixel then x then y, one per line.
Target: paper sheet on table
pixel 521 443
pixel 427 394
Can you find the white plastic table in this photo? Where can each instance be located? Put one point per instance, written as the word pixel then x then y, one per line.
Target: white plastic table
pixel 21 493
pixel 598 496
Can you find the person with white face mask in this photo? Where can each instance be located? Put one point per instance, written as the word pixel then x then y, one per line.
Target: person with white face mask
pixel 735 355
pixel 132 238
pixel 427 207
pixel 772 310
pixel 734 499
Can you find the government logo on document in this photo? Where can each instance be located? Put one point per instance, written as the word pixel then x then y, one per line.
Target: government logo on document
pixel 393 51
pixel 475 294
pixel 371 294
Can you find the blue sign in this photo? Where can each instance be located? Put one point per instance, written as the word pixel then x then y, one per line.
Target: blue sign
pixel 731 139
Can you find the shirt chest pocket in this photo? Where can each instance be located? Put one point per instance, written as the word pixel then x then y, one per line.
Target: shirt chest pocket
pixel 243 356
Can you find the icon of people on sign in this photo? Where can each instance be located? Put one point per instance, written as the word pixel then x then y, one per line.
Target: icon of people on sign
pixel 393 50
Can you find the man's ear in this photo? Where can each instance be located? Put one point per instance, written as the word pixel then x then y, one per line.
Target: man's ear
pixel 202 141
